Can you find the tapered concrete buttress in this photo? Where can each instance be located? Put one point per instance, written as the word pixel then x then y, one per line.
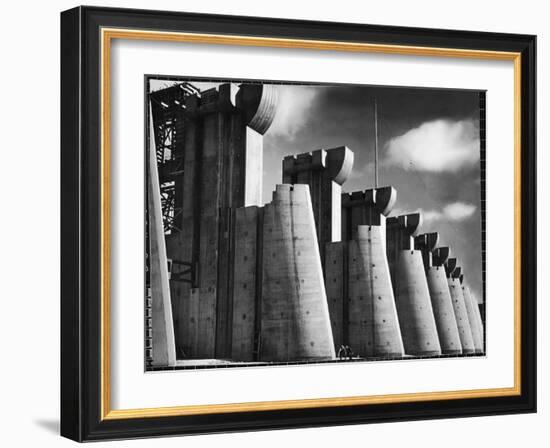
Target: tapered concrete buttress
pixel 373 324
pixel 448 332
pixel 477 313
pixel 477 330
pixel 459 306
pixel 442 305
pixel 414 307
pixel 324 171
pixel 295 321
pixel 164 350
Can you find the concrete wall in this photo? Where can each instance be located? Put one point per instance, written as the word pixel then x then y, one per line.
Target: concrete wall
pixel 477 314
pixel 209 231
pixel 373 323
pixel 246 285
pixel 447 328
pixel 324 171
pixel 368 207
pixel 222 172
pixel 295 318
pixel 459 306
pixel 475 320
pixel 414 307
pixel 184 245
pixel 336 284
pixel 259 290
pixel 370 324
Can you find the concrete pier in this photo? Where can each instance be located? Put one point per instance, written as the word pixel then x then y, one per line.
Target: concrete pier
pixel 477 313
pixel 294 280
pixel 368 207
pixel 473 317
pixel 295 321
pixel 163 350
pixel 414 307
pixel 459 305
pixel 324 171
pixel 222 171
pixel 444 315
pixel 372 323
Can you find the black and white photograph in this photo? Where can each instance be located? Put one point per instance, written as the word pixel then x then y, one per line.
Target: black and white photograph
pixel 296 223
pixel 275 224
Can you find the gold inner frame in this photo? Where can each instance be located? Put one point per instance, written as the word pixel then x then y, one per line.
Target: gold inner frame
pixel 107 35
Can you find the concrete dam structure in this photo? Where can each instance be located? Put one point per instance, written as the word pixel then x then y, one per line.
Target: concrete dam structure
pixel 316 274
pixel 440 295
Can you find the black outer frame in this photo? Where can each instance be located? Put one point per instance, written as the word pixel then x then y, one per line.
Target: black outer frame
pixel 81 224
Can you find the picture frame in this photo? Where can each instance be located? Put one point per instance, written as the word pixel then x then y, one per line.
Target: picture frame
pixel 86 37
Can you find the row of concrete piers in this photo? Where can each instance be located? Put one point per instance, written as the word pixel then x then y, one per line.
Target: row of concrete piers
pixel 313 274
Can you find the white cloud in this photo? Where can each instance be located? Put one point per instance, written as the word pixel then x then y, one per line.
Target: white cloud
pixel 293 109
pixel 439 145
pixel 457 211
pixel 431 215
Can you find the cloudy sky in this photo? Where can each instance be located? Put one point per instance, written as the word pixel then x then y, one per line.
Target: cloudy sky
pixel 428 150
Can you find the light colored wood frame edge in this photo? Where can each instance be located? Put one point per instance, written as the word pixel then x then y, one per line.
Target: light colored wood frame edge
pixel 107 35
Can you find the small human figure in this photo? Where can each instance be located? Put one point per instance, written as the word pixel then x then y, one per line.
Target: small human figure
pixel 345 352
pixel 342 352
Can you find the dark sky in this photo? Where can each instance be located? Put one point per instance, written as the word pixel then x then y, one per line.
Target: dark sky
pixel 428 142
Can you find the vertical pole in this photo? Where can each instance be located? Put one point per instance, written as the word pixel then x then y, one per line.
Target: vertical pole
pixel 375 143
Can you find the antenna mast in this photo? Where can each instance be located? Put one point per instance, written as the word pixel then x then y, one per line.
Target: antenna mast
pixel 375 143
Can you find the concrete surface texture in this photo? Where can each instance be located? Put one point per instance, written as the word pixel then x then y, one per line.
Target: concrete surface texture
pixel 447 328
pixel 412 295
pixel 311 272
pixel 324 171
pixel 475 321
pixel 164 351
pixel 336 285
pixel 295 318
pixel 246 286
pixel 373 323
pixel 222 155
pixel 365 207
pixel 459 305
pixel 370 324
